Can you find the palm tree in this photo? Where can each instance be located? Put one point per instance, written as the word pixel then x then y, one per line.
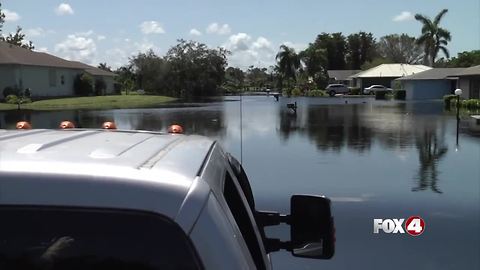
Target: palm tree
pixel 288 62
pixel 433 37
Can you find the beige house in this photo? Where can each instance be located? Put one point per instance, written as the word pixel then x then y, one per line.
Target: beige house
pixel 469 82
pixel 44 74
pixel 384 74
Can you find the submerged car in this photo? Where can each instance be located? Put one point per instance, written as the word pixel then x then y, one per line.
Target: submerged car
pixel 112 199
pixel 376 87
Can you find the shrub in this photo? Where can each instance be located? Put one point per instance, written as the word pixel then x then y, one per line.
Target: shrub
pixel 355 91
pixel 7 91
pixel 27 93
pixel 83 85
pixel 117 88
pixel 381 94
pixel 287 92
pixel 316 93
pixel 25 100
pixel 447 100
pixel 297 92
pixel 100 87
pixel 11 99
pixel 400 94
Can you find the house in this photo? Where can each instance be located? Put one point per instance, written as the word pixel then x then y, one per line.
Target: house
pixel 430 84
pixel 469 82
pixel 341 76
pixel 44 74
pixel 384 74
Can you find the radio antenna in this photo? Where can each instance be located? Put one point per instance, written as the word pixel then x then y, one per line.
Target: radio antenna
pixel 241 129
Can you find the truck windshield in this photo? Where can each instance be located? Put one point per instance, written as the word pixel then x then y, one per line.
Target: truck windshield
pixel 53 238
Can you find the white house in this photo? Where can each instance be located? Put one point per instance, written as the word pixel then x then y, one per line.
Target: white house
pixel 430 84
pixel 384 74
pixel 44 74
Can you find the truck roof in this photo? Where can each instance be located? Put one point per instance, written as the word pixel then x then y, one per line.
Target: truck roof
pixel 158 164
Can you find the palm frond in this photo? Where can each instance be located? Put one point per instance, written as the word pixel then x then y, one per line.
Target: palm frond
pixel 445 51
pixel 443 33
pixel 439 16
pixel 423 19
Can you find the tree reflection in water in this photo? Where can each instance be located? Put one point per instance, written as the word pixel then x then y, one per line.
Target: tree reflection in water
pixel 356 127
pixel 430 151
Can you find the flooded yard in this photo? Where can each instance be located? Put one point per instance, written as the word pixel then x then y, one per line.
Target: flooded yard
pixel 375 159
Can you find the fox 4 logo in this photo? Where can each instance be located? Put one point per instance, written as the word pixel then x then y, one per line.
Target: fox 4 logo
pixel 414 225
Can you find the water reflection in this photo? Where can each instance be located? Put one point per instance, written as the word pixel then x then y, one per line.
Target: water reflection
pixel 205 121
pixel 357 126
pixel 430 150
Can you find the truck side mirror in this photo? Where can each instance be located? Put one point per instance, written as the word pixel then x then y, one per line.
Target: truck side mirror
pixel 312 230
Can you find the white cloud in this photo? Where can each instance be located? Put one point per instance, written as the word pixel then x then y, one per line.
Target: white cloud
pixel 238 42
pixel 195 32
pixel 101 37
pixel 247 52
pixel 403 16
pixel 296 46
pixel 78 47
pixel 215 28
pixel 262 44
pixel 124 48
pixel 64 9
pixel 11 16
pixel 35 32
pixel 151 27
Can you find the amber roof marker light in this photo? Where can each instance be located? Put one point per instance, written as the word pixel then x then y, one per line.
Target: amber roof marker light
pixel 109 125
pixel 23 125
pixel 66 125
pixel 175 129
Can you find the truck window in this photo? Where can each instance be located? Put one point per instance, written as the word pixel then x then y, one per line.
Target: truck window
pixel 61 238
pixel 240 212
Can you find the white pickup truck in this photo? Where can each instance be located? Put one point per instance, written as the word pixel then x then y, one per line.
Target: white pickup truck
pixel 104 199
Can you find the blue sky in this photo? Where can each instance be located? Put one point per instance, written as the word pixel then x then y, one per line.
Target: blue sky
pixel 111 31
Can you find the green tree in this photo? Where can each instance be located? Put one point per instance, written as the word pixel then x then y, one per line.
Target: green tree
pixel 2 19
pixel 433 38
pixel 335 46
pixel 17 39
pixel 463 59
pixel 150 73
pixel 83 85
pixel 288 62
pixel 126 78
pixel 400 49
pixel 314 61
pixel 257 77
pixel 195 70
pixel 104 66
pixel 360 49
pixel 234 79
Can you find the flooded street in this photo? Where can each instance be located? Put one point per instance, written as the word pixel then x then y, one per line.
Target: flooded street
pixel 374 159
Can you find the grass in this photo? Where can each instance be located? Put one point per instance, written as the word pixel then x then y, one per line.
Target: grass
pixel 93 103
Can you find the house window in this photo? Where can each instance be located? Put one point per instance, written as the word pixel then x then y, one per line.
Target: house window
pixel 52 76
pixel 62 79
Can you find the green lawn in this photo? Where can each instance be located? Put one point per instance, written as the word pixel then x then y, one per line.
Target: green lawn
pixel 93 103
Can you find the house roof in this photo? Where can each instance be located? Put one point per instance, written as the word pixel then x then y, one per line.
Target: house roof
pixel 433 74
pixel 391 70
pixel 14 55
pixel 341 75
pixel 471 71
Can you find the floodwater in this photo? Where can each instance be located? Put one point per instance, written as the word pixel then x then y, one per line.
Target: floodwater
pixel 374 159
